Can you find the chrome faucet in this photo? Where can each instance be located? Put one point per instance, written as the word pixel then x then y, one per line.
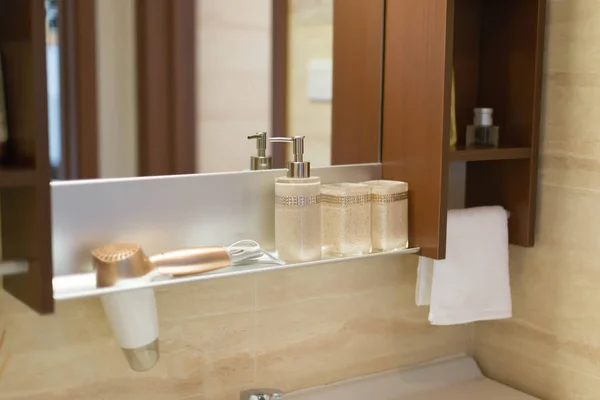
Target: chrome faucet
pixel 261 394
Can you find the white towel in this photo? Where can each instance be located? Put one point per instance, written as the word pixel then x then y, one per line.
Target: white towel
pixel 472 283
pixel 424 281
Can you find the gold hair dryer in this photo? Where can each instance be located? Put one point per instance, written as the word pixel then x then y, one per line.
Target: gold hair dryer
pixel 132 314
pixel 127 260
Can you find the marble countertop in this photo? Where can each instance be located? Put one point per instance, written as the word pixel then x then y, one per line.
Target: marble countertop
pixel 457 378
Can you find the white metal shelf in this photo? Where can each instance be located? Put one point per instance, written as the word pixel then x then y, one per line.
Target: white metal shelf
pixel 84 285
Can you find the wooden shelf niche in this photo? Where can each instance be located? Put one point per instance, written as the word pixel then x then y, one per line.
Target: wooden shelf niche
pixel 495 48
pixel 489 154
pixel 497 58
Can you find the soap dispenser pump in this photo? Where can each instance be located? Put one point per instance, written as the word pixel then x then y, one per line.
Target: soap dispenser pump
pixel 260 161
pixel 297 208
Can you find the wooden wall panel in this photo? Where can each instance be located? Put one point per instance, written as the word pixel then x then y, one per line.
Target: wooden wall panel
pixel 25 208
pixel 510 82
pixel 357 75
pixel 416 112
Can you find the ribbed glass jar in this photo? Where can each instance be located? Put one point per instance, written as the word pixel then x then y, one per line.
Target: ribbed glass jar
pixel 389 215
pixel 346 219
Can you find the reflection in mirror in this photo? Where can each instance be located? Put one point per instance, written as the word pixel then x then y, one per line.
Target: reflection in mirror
pixel 236 73
pixel 53 82
pixel 233 79
pixel 310 76
pixel 171 97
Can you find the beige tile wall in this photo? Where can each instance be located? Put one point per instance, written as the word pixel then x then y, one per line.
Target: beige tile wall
pixel 552 347
pixel 288 329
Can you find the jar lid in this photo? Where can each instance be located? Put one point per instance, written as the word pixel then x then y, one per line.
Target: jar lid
pixel 387 187
pixel 483 116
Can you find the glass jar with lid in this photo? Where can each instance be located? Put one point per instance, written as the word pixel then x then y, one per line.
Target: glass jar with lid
pixel 346 219
pixel 389 215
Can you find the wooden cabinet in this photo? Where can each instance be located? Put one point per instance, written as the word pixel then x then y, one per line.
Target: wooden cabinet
pixel 495 48
pixel 416 113
pixel 25 173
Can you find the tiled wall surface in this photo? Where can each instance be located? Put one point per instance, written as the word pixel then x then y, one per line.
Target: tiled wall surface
pixel 288 329
pixel 552 347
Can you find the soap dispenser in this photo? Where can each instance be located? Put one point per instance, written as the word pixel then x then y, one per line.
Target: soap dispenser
pixel 297 208
pixel 260 161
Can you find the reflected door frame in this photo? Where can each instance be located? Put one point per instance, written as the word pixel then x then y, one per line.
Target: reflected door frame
pixel 357 109
pixel 279 74
pixel 166 65
pixel 79 105
pixel 166 60
pixel 358 45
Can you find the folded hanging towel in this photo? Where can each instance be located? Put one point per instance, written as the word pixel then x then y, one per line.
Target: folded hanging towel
pixel 424 281
pixel 472 283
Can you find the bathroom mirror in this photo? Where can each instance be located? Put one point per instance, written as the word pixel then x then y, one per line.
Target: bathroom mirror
pixel 176 87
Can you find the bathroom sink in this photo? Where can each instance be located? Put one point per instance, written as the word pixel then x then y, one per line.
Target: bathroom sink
pixel 481 388
pixel 454 379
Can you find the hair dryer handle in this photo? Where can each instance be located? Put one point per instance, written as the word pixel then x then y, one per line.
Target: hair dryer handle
pixel 190 261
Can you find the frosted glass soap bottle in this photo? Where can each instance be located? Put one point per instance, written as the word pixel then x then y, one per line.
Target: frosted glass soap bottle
pixel 297 208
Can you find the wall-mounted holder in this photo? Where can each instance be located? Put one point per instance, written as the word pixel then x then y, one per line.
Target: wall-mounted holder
pixel 75 286
pixel 165 213
pixel 134 320
pixel 131 308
